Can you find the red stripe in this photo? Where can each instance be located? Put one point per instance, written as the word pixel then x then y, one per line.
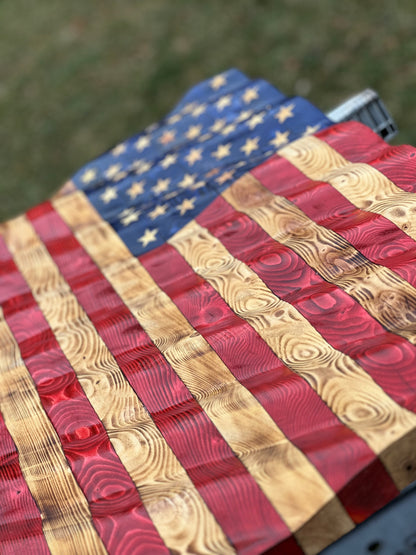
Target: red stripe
pixel 115 505
pixel 238 504
pixel 354 140
pixel 341 457
pixel 357 143
pixel 20 522
pixel 347 326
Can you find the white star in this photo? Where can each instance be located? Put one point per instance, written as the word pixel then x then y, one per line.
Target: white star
pixel 143 167
pixel 112 171
pixel 193 156
pixel 250 94
pixel 223 102
pixel 193 132
pixel 109 194
pixel 129 216
pixel 119 149
pixel 310 130
pixel 187 181
pixel 168 160
pixel 245 114
pixel 148 237
pixel 199 110
pixel 89 175
pixel 255 120
pixel 222 151
pixel 280 139
pixel 228 129
pixel 142 143
pixel 187 109
pixel 218 81
pixel 218 125
pixel 250 145
pixel 186 204
pixel 174 119
pixel 167 137
pixel 136 189
pixel 159 210
pixel 161 186
pixel 284 113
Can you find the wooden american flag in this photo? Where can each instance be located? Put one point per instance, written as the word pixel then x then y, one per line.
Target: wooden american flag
pixel 243 378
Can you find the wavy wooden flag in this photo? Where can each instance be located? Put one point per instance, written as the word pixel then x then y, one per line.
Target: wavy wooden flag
pixel 208 336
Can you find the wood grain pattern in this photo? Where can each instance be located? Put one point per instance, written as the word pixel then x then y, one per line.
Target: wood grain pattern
pixel 387 297
pixel 228 489
pixel 363 185
pixel 341 383
pixel 155 471
pixel 293 486
pixel 20 521
pixel 66 518
pixel 348 465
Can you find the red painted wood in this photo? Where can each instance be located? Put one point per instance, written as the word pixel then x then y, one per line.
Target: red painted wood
pixel 20 522
pixel 341 457
pixel 117 511
pixel 238 504
pixel 344 323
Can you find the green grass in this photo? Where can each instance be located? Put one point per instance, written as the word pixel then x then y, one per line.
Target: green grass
pixel 79 76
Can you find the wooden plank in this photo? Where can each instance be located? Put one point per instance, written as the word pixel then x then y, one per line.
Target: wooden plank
pixel 349 391
pixel 389 299
pixel 290 482
pixel 66 518
pixel 154 469
pixel 361 184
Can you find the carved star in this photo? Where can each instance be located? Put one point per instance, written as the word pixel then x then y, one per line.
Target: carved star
pixel 159 210
pixel 225 177
pixel 89 175
pixel 148 237
pixel 218 81
pixel 310 130
pixel 168 160
pixel 174 119
pixel 255 120
pixel 193 132
pixel 245 114
pixel 136 189
pixel 193 156
pixel 250 94
pixel 119 149
pixel 109 194
pixel 142 143
pixel 223 102
pixel 112 170
pixel 187 109
pixel 284 113
pixel 129 216
pixel 186 204
pixel 167 137
pixel 250 145
pixel 198 110
pixel 218 125
pixel 222 151
pixel 120 175
pixel 188 181
pixel 161 186
pixel 280 139
pixel 204 137
pixel 143 167
pixel 212 172
pixel 228 129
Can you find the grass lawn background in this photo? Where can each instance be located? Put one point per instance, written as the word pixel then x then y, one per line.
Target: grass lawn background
pixel 79 76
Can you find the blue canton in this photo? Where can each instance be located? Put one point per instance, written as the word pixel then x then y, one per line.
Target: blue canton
pixel 151 185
